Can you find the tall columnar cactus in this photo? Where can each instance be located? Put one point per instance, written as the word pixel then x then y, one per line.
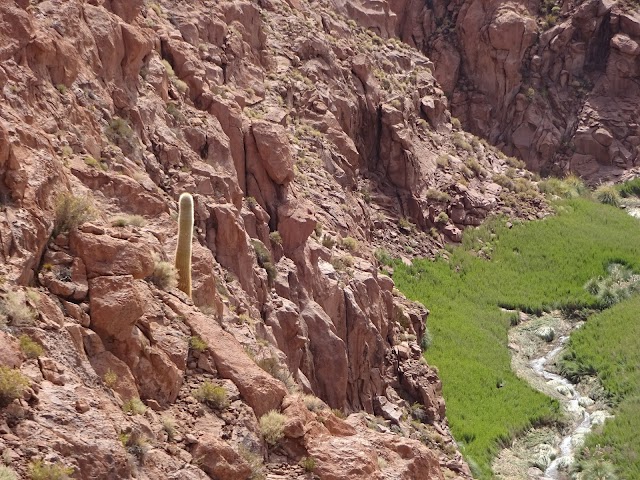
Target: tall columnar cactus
pixel 183 251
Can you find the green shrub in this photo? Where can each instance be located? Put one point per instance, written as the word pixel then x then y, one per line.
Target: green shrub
pixel 7 473
pixel 630 188
pixel 475 166
pixel 349 243
pixel 169 426
pixel 119 131
pixel 110 378
pixel 168 68
pixel 596 469
pixel 437 195
pixel 215 396
pixel 275 238
pixel 30 348
pixel 342 263
pixel 442 218
pixel 608 195
pixel 12 385
pixel 164 276
pixel 264 259
pixel 426 341
pixel 135 443
pixel 134 406
pixel 38 470
pixel 198 344
pixel 328 241
pixel 504 181
pixel 134 220
pixel 383 257
pixel 71 212
pixel 443 161
pixel 174 111
pixel 15 310
pixel 272 427
pixel 405 224
pixel 180 85
pixel 313 403
pixel 515 162
pixel 308 464
pixel 460 142
pixel 90 161
pixel 570 187
pixel 338 413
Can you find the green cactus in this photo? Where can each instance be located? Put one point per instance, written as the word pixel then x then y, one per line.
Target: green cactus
pixel 183 251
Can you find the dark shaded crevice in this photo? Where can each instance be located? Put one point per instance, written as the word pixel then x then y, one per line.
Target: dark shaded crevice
pixel 598 49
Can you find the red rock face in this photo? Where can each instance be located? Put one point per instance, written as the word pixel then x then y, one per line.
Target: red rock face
pixel 540 91
pixel 308 143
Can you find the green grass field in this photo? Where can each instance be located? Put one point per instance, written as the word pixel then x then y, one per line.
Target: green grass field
pixel 609 344
pixel 533 267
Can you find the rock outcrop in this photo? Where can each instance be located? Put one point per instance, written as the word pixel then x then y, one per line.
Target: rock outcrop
pixel 554 84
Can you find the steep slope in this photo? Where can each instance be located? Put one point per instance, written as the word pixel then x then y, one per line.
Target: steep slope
pixel 553 83
pixel 307 142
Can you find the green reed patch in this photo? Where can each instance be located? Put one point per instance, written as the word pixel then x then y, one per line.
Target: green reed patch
pixel 533 267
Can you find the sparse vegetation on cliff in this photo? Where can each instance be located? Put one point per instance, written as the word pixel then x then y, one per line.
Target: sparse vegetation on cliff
pixel 72 211
pixel 12 385
pixel 272 427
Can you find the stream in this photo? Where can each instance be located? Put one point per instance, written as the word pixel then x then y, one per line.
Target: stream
pixel 546 453
pixel 574 403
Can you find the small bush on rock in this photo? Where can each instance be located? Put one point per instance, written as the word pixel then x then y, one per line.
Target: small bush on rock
pixel 170 427
pixel 313 403
pixel 264 259
pixel 349 243
pixel 134 220
pixel 71 212
pixel 198 344
pixel 134 406
pixel 215 396
pixel 12 385
pixel 110 378
pixel 272 427
pixel 275 238
pixel 14 309
pixel 308 464
pixel 38 470
pixel 30 348
pixel 608 195
pixel 164 276
pixel 7 473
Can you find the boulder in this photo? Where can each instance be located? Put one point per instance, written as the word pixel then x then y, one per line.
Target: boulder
pixel 219 460
pixel 274 149
pixel 115 306
pixel 103 254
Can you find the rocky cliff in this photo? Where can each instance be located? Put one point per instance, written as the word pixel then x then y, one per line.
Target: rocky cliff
pixel 314 149
pixel 552 82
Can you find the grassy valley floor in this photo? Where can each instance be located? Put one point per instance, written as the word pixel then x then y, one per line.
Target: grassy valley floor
pixel 533 267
